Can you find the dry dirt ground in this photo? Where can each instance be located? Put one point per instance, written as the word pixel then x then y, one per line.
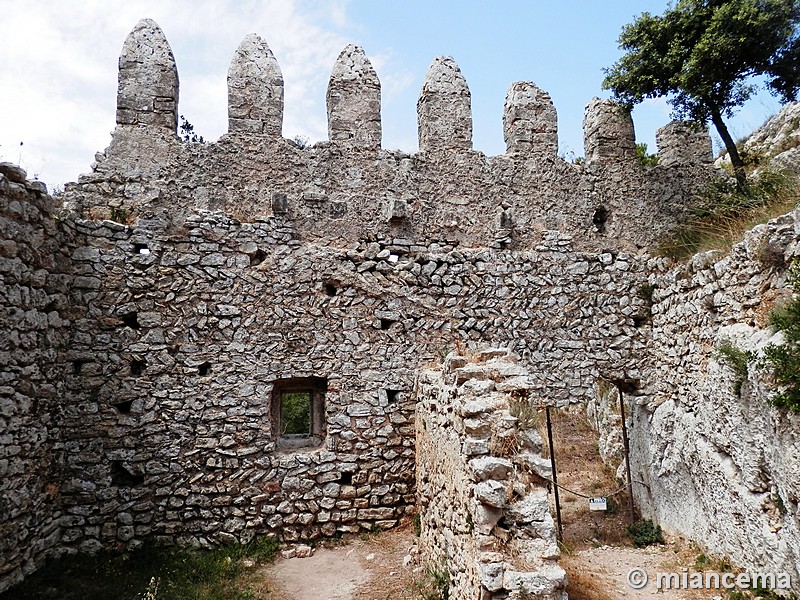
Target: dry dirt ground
pixel 368 567
pixel 597 554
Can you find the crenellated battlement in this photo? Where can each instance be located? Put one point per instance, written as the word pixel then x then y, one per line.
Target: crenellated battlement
pixel 348 188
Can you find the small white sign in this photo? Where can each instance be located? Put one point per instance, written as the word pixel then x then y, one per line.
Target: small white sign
pixel 598 504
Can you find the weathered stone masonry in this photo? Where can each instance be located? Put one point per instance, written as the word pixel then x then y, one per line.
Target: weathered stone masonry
pixel 190 280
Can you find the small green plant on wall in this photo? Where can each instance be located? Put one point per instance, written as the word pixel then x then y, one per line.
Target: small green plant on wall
pixel 784 359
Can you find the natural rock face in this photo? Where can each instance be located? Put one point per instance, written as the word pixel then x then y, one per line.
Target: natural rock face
pixel 148 79
pixel 484 514
pixel 255 89
pixel 444 108
pixel 34 326
pixel 530 123
pixel 717 465
pixel 354 101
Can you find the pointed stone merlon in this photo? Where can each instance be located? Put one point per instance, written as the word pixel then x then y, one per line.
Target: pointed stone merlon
pixel 148 79
pixel 354 101
pixel 444 112
pixel 684 143
pixel 255 90
pixel 530 122
pixel 608 132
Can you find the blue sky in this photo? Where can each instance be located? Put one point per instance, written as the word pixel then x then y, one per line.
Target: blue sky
pixel 58 79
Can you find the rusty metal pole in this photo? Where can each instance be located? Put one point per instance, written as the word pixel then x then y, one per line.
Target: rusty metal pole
pixel 626 449
pixel 555 475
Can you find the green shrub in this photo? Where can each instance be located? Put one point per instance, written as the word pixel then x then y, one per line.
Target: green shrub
pixel 645 159
pixel 784 359
pixel 737 360
pixel 645 533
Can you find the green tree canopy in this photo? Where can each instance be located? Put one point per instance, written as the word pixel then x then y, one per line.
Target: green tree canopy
pixel 706 56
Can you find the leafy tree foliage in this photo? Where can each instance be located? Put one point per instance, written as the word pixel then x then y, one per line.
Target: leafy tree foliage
pixel 705 55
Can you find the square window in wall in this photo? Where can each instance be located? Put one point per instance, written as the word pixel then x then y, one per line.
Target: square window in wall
pixel 298 412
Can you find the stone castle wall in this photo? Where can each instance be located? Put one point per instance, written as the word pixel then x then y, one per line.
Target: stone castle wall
pixel 34 327
pixel 345 189
pixel 482 481
pixel 185 285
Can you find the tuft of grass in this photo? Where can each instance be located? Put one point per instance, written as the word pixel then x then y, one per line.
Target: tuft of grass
pixel 148 573
pixel 724 214
pixel 435 585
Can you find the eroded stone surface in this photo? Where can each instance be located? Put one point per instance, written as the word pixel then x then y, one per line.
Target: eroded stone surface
pixel 255 89
pixel 354 101
pixel 530 123
pixel 444 108
pixel 148 79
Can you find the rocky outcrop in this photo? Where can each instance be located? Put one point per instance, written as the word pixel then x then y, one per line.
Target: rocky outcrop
pixel 715 461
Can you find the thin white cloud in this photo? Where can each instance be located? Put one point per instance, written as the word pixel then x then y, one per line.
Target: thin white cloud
pixel 60 69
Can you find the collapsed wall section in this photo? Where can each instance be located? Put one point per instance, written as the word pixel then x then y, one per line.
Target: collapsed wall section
pixel 34 281
pixel 714 460
pixel 482 482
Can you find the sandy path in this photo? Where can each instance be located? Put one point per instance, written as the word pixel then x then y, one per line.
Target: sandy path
pixel 332 574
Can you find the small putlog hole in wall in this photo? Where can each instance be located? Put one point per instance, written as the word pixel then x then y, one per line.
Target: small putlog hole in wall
pixel 204 369
pixel 138 365
pixel 599 218
pixel 122 476
pixel 386 324
pixel 391 395
pixel 141 249
pixel 330 289
pixel 346 478
pixel 124 407
pixel 258 257
pixel 130 319
pixel 77 365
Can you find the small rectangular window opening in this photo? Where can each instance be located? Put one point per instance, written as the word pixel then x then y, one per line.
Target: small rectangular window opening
pixel 298 412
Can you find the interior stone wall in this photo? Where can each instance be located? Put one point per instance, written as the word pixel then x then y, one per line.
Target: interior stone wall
pixel 34 326
pixel 482 483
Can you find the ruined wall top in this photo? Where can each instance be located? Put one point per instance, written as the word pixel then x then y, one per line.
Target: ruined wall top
pixel 348 187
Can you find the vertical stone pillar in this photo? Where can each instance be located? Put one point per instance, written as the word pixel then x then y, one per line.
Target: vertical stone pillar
pixel 148 79
pixel 608 132
pixel 684 143
pixel 354 101
pixel 255 89
pixel 530 122
pixel 444 111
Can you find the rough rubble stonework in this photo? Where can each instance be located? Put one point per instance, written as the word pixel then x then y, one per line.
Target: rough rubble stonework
pixel 155 318
pixel 482 481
